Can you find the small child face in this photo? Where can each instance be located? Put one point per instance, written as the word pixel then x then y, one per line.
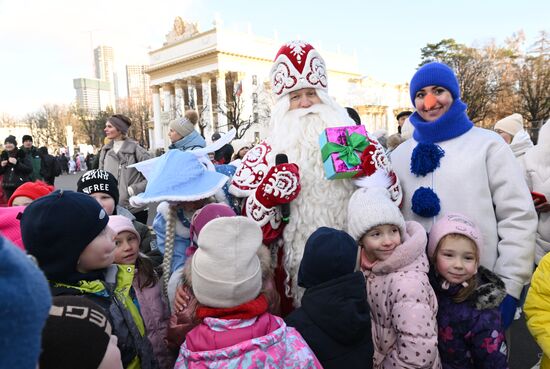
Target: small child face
pixel 127 248
pixel 456 259
pixel 99 253
pixel 381 241
pixel 106 202
pixel 21 201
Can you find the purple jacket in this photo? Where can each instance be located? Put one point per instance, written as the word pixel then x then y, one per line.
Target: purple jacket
pixel 470 332
pixel 261 342
pixel 155 315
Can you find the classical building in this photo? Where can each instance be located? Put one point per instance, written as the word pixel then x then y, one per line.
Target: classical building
pixel 378 103
pixel 224 75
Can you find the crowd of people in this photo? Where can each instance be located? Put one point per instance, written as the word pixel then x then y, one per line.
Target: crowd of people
pixel 420 258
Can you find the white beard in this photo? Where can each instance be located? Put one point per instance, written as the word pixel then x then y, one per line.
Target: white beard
pixel 321 202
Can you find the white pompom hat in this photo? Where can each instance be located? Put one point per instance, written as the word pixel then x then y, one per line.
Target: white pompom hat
pixel 225 269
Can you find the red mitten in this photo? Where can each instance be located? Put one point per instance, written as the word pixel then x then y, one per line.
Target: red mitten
pixel 281 185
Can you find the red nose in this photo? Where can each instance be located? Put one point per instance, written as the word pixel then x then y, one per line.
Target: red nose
pixel 429 101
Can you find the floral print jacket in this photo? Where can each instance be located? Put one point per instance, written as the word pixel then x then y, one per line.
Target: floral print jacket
pixel 470 332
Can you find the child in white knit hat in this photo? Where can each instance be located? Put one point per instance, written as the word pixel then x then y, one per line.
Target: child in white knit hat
pixel 393 260
pixel 236 328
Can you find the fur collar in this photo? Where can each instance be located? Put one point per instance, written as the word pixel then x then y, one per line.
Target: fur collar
pixel 413 246
pixel 490 291
pixel 181 230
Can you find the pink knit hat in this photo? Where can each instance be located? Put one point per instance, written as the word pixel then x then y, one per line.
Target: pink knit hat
pixel 453 223
pixel 120 223
pixel 202 217
pixel 10 226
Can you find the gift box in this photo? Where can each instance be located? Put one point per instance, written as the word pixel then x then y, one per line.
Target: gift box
pixel 341 149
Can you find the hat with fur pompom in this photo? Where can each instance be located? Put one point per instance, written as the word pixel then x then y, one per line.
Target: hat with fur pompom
pixel 371 207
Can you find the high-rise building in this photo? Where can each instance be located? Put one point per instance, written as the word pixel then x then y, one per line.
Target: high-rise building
pixel 92 95
pixel 104 61
pixel 137 83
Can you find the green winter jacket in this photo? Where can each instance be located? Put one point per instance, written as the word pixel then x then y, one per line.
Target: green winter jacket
pixel 36 162
pixel 115 296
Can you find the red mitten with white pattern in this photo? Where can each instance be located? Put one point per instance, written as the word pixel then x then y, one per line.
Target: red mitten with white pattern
pixel 281 185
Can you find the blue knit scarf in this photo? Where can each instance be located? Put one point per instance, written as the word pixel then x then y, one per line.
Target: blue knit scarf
pixel 427 155
pixel 452 124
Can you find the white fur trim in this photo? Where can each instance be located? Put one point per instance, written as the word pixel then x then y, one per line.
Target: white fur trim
pixel 181 230
pixel 378 179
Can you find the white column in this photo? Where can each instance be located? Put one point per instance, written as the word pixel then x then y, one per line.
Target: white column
pixel 167 92
pixel 158 140
pixel 180 100
pixel 246 96
pixel 222 99
pixel 192 92
pixel 207 104
pixel 70 140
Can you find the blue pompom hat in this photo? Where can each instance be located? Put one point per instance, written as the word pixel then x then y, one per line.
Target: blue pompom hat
pixel 179 176
pixel 435 74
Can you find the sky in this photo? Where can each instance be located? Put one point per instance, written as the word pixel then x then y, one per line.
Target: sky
pixel 45 44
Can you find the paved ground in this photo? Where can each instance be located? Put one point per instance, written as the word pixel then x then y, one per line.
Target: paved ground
pixel 524 351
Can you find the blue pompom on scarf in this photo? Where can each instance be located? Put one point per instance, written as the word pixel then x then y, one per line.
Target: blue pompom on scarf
pixel 425 158
pixel 425 202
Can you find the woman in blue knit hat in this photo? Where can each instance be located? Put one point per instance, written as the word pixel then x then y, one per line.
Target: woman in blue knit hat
pixel 451 166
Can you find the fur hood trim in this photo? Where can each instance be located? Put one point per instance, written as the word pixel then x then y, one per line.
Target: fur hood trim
pixel 413 246
pixel 490 291
pixel 181 230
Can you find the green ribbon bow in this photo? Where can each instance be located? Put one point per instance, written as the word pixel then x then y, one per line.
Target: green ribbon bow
pixel 354 142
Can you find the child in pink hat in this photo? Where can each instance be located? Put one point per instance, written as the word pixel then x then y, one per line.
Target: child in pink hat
pixel 469 295
pixel 146 286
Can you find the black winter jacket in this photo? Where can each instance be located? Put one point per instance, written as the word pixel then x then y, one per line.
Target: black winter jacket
pixel 334 319
pixel 15 175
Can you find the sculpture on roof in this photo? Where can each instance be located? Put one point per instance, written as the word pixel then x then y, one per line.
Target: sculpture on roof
pixel 181 30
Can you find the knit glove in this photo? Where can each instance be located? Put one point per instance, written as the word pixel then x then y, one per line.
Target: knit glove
pixel 508 308
pixel 281 185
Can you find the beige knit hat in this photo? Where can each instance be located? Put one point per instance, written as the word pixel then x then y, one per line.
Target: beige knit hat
pixel 182 125
pixel 225 269
pixel 511 124
pixel 370 207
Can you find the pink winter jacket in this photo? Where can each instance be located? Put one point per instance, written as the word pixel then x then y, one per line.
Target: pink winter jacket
pixel 404 306
pixel 261 342
pixel 183 321
pixel 155 315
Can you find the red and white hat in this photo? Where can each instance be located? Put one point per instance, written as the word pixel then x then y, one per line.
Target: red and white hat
pixel 297 65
